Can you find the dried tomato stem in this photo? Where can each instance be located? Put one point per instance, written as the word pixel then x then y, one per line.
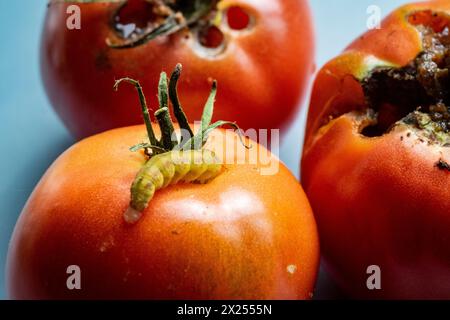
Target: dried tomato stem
pixel 177 108
pixel 163 115
pixel 165 166
pixel 144 108
pixel 163 95
pixel 167 129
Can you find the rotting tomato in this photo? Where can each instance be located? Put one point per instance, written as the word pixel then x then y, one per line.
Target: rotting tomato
pixel 235 234
pixel 271 40
pixel 376 160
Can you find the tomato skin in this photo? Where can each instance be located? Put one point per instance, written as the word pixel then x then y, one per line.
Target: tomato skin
pixel 381 202
pixel 263 73
pixel 232 238
pixel 377 201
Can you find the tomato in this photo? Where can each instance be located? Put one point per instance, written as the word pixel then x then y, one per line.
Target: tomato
pixel 375 165
pixel 242 235
pixel 234 238
pixel 271 40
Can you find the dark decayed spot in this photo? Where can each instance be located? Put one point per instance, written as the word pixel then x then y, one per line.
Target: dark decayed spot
pixel 443 165
pixel 102 61
pixel 134 17
pixel 423 84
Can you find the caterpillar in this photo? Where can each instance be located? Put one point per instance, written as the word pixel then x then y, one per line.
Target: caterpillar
pixel 170 163
pixel 162 170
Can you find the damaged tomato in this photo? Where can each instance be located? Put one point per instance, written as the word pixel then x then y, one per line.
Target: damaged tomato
pixel 377 157
pixel 201 220
pixel 230 39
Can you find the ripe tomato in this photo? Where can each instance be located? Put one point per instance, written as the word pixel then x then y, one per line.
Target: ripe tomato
pixel 242 235
pixel 237 39
pixel 234 238
pixel 376 161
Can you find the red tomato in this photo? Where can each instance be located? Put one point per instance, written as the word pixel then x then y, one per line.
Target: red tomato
pixel 187 230
pixel 233 238
pixel 376 160
pixel 261 52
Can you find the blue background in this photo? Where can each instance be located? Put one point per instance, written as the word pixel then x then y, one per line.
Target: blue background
pixel 31 135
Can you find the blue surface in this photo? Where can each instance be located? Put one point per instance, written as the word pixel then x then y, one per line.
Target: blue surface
pixel 31 136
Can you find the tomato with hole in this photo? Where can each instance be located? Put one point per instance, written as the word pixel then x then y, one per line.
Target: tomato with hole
pixel 376 160
pixel 232 238
pixel 270 40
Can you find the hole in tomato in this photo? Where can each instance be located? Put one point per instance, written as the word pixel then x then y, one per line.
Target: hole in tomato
pixel 385 118
pixel 211 37
pixel 136 16
pixel 418 90
pixel 237 18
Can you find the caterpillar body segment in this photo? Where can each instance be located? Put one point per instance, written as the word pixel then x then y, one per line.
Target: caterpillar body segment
pixel 197 168
pixel 181 170
pixel 162 170
pixel 213 169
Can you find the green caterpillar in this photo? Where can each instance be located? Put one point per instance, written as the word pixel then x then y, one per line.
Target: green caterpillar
pixel 191 166
pixel 172 161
